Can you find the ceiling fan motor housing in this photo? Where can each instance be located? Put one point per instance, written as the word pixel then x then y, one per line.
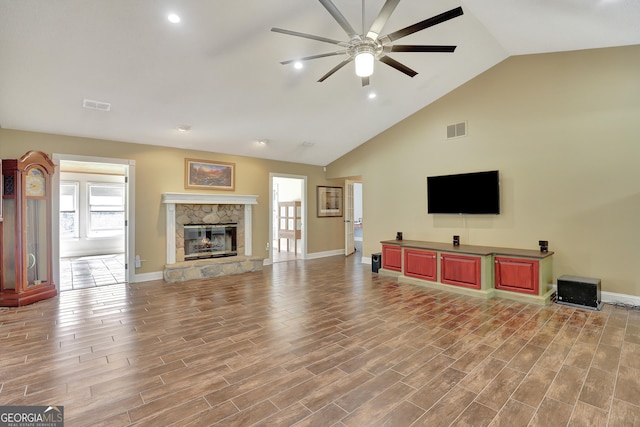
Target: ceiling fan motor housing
pixel 357 46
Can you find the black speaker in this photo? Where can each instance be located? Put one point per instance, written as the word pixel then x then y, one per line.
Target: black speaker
pixel 376 262
pixel 583 292
pixel 544 245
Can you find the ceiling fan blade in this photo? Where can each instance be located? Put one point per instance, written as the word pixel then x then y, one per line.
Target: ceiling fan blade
pixel 334 69
pixel 398 66
pixel 429 22
pixel 365 81
pixel 420 48
pixel 333 10
pixel 382 19
pixel 309 36
pixel 322 55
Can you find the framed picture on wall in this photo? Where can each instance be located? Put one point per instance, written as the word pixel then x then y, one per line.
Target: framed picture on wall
pixel 329 201
pixel 209 175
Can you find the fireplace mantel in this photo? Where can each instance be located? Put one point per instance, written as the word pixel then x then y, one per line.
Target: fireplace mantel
pixel 170 200
pixel 208 199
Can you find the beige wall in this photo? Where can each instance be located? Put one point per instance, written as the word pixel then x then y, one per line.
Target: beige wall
pixel 562 128
pixel 160 170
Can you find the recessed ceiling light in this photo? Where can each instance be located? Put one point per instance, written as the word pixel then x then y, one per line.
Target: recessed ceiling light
pixel 173 18
pixel 372 95
pixel 263 141
pixel 308 144
pixel 297 65
pixel 184 128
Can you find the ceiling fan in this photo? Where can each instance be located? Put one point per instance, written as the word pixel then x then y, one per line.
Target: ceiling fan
pixel 364 49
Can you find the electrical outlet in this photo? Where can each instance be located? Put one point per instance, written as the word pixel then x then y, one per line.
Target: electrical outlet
pixel 267 247
pixel 138 263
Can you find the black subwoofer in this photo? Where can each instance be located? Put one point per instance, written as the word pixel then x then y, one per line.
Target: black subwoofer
pixel 583 292
pixel 376 262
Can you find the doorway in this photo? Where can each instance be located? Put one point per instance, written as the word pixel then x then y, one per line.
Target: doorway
pixel 353 221
pixel 93 221
pixel 357 216
pixel 287 217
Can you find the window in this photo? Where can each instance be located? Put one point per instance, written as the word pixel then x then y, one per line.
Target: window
pixel 106 209
pixel 69 218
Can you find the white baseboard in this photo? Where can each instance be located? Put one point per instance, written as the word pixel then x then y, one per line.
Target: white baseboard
pixel 325 254
pixel 147 277
pixel 613 298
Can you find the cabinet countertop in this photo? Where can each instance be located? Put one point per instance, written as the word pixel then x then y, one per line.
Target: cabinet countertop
pixel 468 249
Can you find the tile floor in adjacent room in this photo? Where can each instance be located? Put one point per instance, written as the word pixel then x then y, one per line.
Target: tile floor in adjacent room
pixel 321 342
pixel 91 271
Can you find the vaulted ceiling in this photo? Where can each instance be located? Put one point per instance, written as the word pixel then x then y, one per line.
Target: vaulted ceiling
pixel 218 70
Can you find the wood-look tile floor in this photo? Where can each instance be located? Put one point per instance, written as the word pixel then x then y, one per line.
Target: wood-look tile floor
pixel 318 343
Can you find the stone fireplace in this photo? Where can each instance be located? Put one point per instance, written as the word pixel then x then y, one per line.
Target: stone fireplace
pixel 200 231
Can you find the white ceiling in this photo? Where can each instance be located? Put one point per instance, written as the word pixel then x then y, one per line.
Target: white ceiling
pixel 218 70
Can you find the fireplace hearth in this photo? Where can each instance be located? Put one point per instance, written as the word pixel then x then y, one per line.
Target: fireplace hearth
pixel 203 241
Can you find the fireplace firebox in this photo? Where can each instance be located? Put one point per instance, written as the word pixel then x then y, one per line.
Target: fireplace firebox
pixel 210 241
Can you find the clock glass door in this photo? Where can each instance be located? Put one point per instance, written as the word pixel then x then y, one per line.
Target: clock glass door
pixel 36 241
pixel 36 228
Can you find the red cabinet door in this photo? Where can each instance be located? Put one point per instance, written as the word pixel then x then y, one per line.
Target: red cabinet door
pixel 392 257
pixel 420 264
pixel 460 270
pixel 516 274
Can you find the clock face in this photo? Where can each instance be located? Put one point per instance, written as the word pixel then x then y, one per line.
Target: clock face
pixel 35 183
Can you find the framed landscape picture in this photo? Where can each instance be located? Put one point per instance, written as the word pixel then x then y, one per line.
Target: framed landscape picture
pixel 209 175
pixel 329 201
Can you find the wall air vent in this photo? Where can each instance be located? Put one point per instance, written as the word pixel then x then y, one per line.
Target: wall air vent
pixel 96 105
pixel 457 130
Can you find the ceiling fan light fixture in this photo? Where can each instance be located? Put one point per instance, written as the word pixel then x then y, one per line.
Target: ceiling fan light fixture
pixel 365 50
pixel 364 63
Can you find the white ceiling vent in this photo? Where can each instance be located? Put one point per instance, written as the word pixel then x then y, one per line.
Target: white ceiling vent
pixel 457 130
pixel 96 105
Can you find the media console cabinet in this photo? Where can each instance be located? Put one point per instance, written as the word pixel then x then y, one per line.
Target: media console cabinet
pixel 483 271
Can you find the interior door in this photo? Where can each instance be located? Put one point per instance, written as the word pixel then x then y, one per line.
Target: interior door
pixel 349 238
pixel 130 260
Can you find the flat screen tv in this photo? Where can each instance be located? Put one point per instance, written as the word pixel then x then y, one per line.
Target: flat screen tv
pixel 467 193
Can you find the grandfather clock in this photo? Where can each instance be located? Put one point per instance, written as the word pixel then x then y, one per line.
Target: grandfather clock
pixel 26 230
